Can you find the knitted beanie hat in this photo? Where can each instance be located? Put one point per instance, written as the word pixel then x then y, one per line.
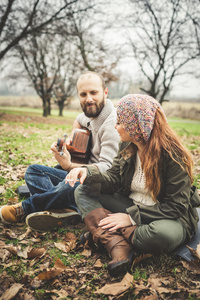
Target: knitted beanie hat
pixel 136 113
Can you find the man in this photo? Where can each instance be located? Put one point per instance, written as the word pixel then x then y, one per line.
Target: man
pixel 52 202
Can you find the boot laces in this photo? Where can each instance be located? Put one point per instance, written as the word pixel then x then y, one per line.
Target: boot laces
pixel 19 210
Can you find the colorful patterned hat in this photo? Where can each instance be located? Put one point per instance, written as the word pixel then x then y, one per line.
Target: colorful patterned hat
pixel 136 113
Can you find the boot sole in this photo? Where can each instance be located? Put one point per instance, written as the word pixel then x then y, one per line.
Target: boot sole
pixel 44 221
pixel 121 267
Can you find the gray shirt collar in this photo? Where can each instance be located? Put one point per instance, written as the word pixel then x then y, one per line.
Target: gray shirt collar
pixel 106 111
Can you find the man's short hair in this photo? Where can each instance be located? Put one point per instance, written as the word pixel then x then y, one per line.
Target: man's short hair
pixel 94 73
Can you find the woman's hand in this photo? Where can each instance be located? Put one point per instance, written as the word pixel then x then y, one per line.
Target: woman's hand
pixel 115 221
pixel 74 174
pixel 65 159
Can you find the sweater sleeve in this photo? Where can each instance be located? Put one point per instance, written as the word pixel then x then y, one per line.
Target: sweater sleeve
pixel 105 140
pixel 109 140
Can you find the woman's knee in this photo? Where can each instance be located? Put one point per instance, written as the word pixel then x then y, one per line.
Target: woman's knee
pixel 79 194
pixel 84 201
pixel 157 237
pixel 161 237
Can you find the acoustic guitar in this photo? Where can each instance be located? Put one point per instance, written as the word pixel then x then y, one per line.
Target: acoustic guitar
pixel 80 147
pixel 79 150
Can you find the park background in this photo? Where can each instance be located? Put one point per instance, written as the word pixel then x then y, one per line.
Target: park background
pixel 139 46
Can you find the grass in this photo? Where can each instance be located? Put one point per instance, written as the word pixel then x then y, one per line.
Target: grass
pixel 185 127
pixel 69 114
pixel 22 144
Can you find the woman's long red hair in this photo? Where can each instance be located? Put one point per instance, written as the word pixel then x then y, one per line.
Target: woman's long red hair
pixel 163 137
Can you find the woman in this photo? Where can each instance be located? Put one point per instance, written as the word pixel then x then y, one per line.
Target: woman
pixel 145 201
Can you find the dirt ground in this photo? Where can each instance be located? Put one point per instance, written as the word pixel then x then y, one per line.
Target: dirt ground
pixel 33 119
pixel 55 265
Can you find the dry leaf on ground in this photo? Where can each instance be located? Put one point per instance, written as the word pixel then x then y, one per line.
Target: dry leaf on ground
pixel 192 266
pixel 11 292
pixel 117 288
pixel 98 264
pixel 86 252
pixel 195 253
pixel 49 274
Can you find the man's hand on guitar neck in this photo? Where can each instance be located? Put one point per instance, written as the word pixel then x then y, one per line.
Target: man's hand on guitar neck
pixel 64 160
pixel 68 141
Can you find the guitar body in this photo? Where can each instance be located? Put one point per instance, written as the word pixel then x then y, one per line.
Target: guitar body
pixel 80 147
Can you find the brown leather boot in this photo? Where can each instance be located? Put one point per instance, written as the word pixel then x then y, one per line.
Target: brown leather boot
pixel 128 233
pixel 119 249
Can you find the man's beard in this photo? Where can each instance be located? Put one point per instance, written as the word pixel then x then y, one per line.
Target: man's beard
pixel 94 110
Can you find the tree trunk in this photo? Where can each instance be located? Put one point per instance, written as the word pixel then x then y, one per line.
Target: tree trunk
pixel 45 108
pixel 49 107
pixel 61 107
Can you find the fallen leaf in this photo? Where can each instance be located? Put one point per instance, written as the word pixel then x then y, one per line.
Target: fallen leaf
pixel 11 292
pixel 156 282
pixel 193 252
pixel 196 283
pixel 13 199
pixel 198 251
pixel 20 174
pixel 11 249
pixel 36 283
pixel 140 258
pixel 192 266
pixel 23 253
pixel 98 264
pixel 13 176
pixel 140 286
pixel 49 274
pixel 86 252
pixel 9 233
pixel 61 246
pixel 27 253
pixel 70 237
pixel 70 246
pixel 117 288
pixel 23 236
pixel 2 244
pixel 3 253
pixel 2 190
pixel 61 293
pixel 37 252
pixel 59 265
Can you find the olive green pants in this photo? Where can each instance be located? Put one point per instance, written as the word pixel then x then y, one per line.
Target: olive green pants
pixel 157 237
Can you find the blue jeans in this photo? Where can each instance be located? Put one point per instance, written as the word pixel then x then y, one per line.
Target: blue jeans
pixel 49 190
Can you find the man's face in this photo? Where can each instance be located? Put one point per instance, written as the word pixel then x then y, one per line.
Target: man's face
pixel 91 95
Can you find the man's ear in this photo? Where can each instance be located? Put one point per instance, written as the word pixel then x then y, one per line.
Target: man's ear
pixel 106 91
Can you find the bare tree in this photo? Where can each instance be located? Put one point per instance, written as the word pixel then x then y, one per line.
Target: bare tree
pixel 65 85
pixel 63 92
pixel 42 58
pixel 195 17
pixel 88 37
pixel 162 38
pixel 19 19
